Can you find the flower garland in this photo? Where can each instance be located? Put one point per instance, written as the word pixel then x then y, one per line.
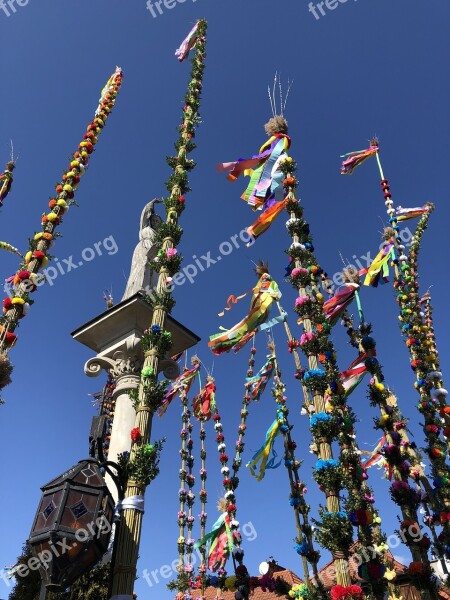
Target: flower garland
pixel 37 257
pixel 306 276
pixel 432 404
pixel 400 454
pixel 168 236
pixel 304 541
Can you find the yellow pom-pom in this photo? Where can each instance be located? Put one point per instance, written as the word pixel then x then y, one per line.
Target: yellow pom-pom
pixel 52 216
pixel 18 301
pixel 28 256
pixel 44 262
pixel 38 235
pixel 61 202
pixel 380 387
pixel 68 188
pixel 320 298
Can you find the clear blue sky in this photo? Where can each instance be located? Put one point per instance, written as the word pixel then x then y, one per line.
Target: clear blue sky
pixel 364 68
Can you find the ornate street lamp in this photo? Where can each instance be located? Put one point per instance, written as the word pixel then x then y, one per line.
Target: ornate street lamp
pixel 73 523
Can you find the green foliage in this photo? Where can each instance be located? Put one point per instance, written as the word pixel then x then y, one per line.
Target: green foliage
pixel 145 465
pixel 161 299
pixel 181 583
pixel 26 588
pixel 93 585
pixel 154 392
pixel 169 230
pixel 157 338
pixel 335 532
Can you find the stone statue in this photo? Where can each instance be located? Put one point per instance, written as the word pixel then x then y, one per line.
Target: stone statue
pixel 142 277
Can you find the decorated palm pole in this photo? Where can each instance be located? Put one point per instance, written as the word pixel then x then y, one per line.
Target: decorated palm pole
pixel 432 403
pixel 402 460
pixel 6 180
pixel 157 341
pixel 332 418
pixel 423 358
pixel 272 188
pixel 304 541
pixel 25 281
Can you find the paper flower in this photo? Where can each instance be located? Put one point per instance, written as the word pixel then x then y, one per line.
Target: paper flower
pixel 135 434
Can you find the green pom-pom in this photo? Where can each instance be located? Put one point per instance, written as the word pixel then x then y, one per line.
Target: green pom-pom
pixel 147 372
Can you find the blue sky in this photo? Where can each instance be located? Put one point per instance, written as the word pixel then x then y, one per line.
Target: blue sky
pixel 363 68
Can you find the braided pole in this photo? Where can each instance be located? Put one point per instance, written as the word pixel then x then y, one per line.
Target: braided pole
pixel 228 504
pixel 157 342
pixel 304 541
pixel 423 362
pixel 401 455
pixel 307 273
pixel 183 492
pixel 203 499
pixel 26 277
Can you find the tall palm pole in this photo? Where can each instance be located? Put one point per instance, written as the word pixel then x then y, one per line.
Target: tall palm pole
pixel 157 341
pixel 25 280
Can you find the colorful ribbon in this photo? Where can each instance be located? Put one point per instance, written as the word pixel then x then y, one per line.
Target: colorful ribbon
pixel 261 457
pixel 221 542
pixel 265 292
pixel 266 178
pixel 380 266
pixel 352 376
pixel 356 159
pixel 204 403
pixel 187 44
pixel 336 305
pixel 182 383
pixel 264 221
pixel 405 214
pixel 256 384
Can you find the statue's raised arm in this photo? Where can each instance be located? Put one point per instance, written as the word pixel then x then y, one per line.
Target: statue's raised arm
pixel 142 278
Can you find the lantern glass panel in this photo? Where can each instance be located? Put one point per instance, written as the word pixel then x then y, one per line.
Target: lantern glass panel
pixel 48 510
pixel 79 510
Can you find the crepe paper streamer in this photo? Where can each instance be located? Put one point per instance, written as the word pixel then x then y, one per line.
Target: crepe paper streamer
pixel 266 179
pixel 353 376
pixel 375 456
pixel 265 292
pixel 256 384
pixel 110 84
pixel 261 457
pixel 182 383
pixel 187 44
pixel 264 221
pixel 379 269
pixel 355 159
pixel 204 403
pixel 221 540
pixel 6 180
pixel 335 306
pixel 263 327
pixel 405 214
pixel 9 248
pixel 232 300
pixel 359 306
